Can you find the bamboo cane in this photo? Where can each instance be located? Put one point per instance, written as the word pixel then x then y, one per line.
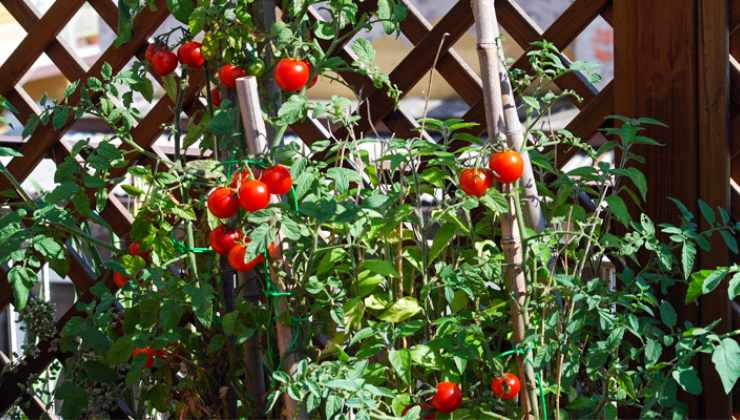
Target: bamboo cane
pixel 501 117
pixel 255 133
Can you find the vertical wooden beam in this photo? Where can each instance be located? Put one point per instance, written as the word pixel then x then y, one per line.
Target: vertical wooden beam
pixel 671 64
pixel 713 83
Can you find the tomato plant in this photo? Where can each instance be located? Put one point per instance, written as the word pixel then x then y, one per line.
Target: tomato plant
pixel 384 292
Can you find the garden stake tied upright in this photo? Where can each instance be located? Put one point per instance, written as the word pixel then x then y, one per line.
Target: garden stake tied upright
pixel 501 117
pixel 255 135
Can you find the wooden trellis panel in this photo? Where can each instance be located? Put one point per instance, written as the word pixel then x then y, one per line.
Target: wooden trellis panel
pixel 376 107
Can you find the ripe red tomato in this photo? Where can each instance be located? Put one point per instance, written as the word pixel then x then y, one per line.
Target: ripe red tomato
pixel 164 62
pixel 223 203
pixel 447 398
pixel 236 259
pixel 119 279
pixel 277 179
pixel 475 181
pixel 229 73
pixel 135 249
pixel 506 387
pixel 190 54
pixel 292 74
pixel 150 51
pixel 253 195
pixel 222 239
pixel 507 166
pixel 216 97
pixel 148 352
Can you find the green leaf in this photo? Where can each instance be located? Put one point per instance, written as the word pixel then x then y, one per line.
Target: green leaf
pixel 342 178
pixel 21 280
pixel 364 51
pixel 726 359
pixel 201 302
pixel 733 289
pixel 619 209
pixel 668 314
pixel 120 351
pixel 181 9
pixel 7 151
pixel 48 247
pixel 74 397
pixel 688 258
pixel 401 310
pixel 703 282
pixel 653 349
pixel 126 10
pixel 442 240
pixel 293 110
pixel 229 322
pixel 401 362
pixel 216 343
pixel 729 239
pixel 688 379
pixel 382 267
pixel 707 212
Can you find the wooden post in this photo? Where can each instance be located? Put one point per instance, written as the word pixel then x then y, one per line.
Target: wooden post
pixel 494 81
pixel 255 132
pixel 671 63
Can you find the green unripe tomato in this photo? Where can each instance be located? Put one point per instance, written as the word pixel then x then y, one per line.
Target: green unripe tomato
pixel 256 67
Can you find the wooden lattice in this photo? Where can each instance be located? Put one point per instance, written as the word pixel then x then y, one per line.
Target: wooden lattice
pixel 376 108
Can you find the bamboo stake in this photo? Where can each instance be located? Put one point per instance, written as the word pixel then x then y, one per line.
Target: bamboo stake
pixel 501 117
pixel 255 133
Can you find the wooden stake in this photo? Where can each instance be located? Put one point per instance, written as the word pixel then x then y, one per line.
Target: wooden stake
pixel 255 133
pixel 501 117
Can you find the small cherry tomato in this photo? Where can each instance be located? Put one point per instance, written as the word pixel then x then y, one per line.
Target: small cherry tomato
pixel 254 195
pixel 229 73
pixel 507 166
pixel 222 239
pixel 506 387
pixel 277 179
pixel 216 97
pixel 190 54
pixel 292 74
pixel 223 203
pixel 136 250
pixel 256 67
pixel 164 62
pixel 447 398
pixel 236 259
pixel 475 181
pixel 119 279
pixel 150 51
pixel 148 352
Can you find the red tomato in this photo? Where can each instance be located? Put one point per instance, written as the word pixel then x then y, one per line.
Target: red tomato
pixel 135 249
pixel 447 398
pixel 253 195
pixel 243 176
pixel 222 239
pixel 119 279
pixel 223 203
pixel 216 97
pixel 164 62
pixel 475 181
pixel 507 166
pixel 229 73
pixel 149 352
pixel 292 74
pixel 150 51
pixel 190 54
pixel 236 259
pixel 277 179
pixel 506 387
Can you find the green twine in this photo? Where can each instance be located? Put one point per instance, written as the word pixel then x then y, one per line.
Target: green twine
pixel 525 352
pixel 183 248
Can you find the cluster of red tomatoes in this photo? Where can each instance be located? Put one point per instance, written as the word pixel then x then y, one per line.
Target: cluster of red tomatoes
pixel 448 395
pixel 134 249
pixel 163 61
pixel 251 194
pixel 505 167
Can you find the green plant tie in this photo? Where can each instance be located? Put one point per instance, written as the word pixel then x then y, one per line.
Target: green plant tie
pixel 183 248
pixel 540 389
